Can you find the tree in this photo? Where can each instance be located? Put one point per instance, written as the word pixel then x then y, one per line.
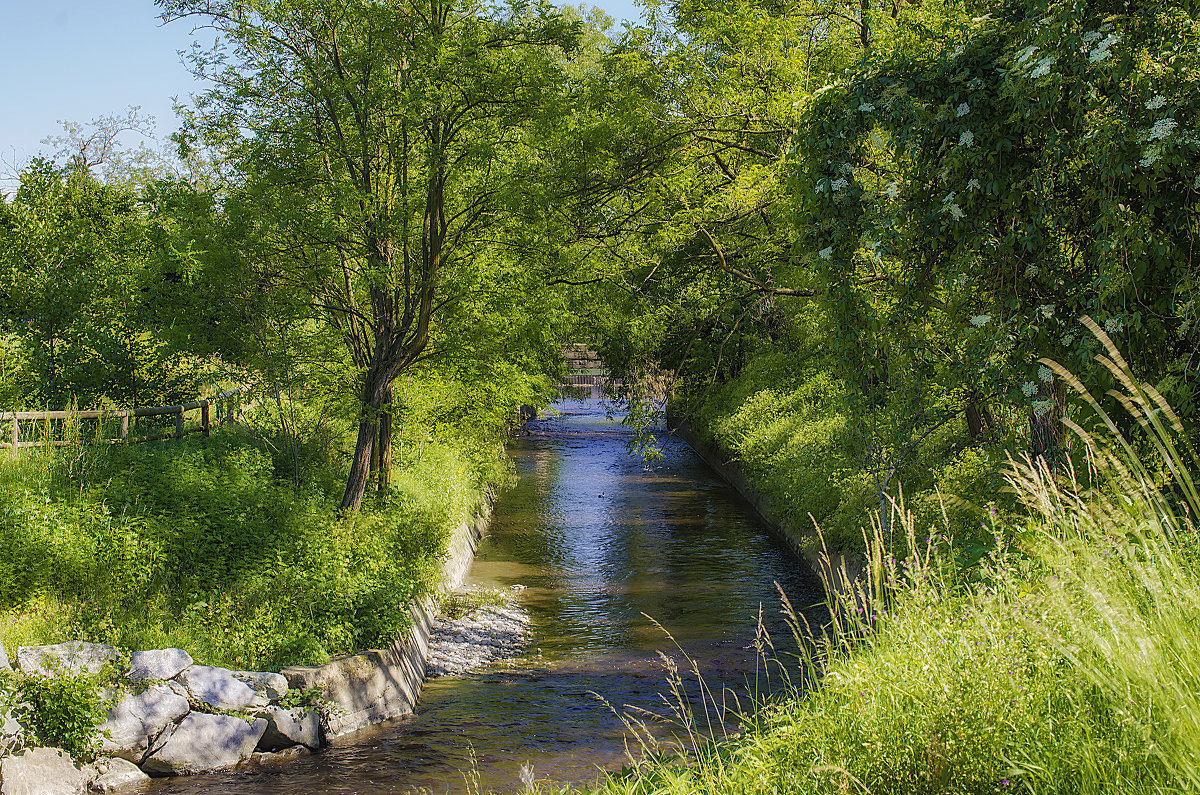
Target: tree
pixel 379 139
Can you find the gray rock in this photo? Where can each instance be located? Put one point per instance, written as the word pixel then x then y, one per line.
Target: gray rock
pixel 41 771
pixel 220 689
pixel 4 663
pixel 74 657
pixel 137 720
pixel 288 727
pixel 203 743
pixel 10 732
pixel 271 686
pixel 160 664
pixel 279 758
pixel 116 775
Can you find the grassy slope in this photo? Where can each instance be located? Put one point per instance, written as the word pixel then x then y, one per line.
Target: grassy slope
pixel 1062 662
pixel 200 545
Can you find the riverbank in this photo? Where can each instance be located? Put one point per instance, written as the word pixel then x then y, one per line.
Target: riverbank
pixel 1063 660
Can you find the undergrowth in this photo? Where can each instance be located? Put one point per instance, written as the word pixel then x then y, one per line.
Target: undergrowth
pixel 201 545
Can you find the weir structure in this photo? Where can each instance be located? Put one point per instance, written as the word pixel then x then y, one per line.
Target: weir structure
pixel 586 376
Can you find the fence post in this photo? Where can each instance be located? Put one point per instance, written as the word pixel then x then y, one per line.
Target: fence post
pixel 124 426
pixel 204 415
pixel 16 432
pixel 179 422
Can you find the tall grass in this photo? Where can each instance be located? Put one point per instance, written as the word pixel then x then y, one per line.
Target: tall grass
pixel 1065 660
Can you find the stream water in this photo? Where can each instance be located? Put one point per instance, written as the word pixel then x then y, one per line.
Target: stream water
pixel 612 555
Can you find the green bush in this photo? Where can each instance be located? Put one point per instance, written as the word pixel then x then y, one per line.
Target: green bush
pixel 61 711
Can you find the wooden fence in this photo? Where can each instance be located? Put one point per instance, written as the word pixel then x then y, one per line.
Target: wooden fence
pixel 226 401
pixel 586 374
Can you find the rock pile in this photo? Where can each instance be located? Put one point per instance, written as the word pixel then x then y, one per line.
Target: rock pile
pixel 168 717
pixel 482 636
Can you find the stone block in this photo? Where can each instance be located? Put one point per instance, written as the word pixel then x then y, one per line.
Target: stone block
pixel 41 771
pixel 136 721
pixel 220 689
pixel 159 664
pixel 203 743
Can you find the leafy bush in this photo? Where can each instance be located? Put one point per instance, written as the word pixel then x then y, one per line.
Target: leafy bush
pixel 61 711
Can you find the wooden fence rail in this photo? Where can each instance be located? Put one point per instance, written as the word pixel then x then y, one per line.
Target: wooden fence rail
pixel 232 408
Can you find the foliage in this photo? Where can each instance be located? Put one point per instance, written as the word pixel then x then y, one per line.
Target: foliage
pixel 61 711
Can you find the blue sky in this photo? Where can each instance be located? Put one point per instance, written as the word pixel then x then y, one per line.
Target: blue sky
pixel 79 59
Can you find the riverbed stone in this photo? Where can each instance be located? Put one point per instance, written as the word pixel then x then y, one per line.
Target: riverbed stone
pixel 279 758
pixel 159 664
pixel 138 719
pixel 115 775
pixel 271 686
pixel 203 743
pixel 288 727
pixel 220 689
pixel 41 771
pixel 72 657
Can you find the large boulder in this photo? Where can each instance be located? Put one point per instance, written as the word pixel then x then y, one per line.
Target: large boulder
pixel 136 721
pixel 115 775
pixel 288 727
pixel 161 664
pixel 202 743
pixel 220 689
pixel 270 686
pixel 41 771
pixel 72 657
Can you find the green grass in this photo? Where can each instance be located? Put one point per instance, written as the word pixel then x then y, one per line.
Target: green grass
pixel 202 545
pixel 1065 660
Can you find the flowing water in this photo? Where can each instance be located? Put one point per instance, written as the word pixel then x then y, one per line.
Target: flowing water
pixel 610 553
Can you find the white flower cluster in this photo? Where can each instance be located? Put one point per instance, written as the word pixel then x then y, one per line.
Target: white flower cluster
pixel 1101 52
pixel 1042 69
pixel 979 321
pixel 1067 339
pixel 1031 271
pixel 845 168
pixel 973 184
pixel 962 110
pixel 1091 36
pixel 1156 102
pixel 1113 325
pixel 955 211
pixel 967 138
pixel 949 197
pixel 1046 310
pixel 1029 389
pixel 1162 129
pixel 1042 407
pixel 840 184
pixel 893 190
pixel 1044 374
pixel 1150 156
pixel 826 253
pixel 866 107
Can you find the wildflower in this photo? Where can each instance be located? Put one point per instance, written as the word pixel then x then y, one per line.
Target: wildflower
pixel 1042 407
pixel 1098 55
pixel 956 212
pixel 1043 68
pixel 962 110
pixel 979 321
pixel 1029 388
pixel 845 168
pixel 967 138
pixel 826 253
pixel 1156 102
pixel 1113 325
pixel 1091 36
pixel 839 184
pixel 1162 129
pixel 866 107
pixel 1150 156
pixel 949 197
pixel 973 184
pixel 1044 374
pixel 1067 339
pixel 1046 310
pixel 1031 271
pixel 893 190
pixel 1025 53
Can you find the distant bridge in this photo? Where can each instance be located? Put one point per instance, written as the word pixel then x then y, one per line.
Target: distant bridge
pixel 587 377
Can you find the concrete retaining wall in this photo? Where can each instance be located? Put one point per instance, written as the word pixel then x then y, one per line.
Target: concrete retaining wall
pixel 380 684
pixel 837 570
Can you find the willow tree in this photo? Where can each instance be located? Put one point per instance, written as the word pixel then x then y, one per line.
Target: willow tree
pixel 383 138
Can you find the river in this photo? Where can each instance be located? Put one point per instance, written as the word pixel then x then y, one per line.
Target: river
pixel 612 555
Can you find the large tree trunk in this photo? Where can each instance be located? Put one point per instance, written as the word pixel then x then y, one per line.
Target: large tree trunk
pixel 375 387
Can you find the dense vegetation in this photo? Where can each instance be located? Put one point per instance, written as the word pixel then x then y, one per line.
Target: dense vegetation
pixel 849 243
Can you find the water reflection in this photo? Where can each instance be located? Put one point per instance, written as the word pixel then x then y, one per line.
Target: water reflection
pixel 603 546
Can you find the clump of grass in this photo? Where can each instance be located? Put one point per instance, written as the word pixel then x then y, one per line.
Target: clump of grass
pixel 462 603
pixel 1065 660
